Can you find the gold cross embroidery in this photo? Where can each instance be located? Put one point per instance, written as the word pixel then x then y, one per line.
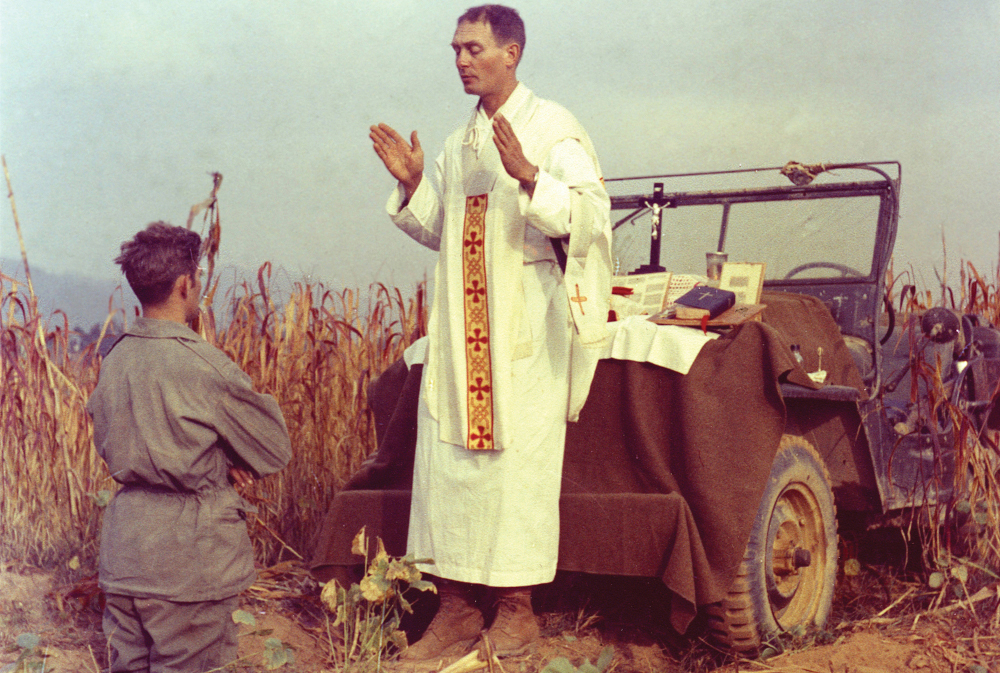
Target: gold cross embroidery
pixel 478 364
pixel 579 299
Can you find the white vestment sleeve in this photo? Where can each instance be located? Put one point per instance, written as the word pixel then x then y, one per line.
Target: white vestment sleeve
pixel 567 174
pixel 423 216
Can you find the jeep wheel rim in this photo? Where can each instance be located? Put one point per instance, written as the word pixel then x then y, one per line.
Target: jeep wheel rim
pixel 795 560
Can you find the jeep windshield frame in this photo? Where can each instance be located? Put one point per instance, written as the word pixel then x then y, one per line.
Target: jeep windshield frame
pixel 831 238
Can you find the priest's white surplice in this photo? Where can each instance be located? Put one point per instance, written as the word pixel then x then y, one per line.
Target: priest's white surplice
pixel 513 341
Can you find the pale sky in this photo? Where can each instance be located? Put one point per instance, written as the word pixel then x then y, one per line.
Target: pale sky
pixel 113 112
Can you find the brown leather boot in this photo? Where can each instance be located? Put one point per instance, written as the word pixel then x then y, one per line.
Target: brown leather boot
pixel 454 628
pixel 515 626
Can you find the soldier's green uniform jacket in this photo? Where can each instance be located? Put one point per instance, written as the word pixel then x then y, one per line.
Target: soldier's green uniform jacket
pixel 172 414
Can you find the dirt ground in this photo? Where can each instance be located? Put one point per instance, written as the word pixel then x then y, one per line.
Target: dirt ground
pixel 880 624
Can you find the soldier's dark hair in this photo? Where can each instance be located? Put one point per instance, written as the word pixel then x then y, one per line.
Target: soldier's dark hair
pixel 156 257
pixel 505 23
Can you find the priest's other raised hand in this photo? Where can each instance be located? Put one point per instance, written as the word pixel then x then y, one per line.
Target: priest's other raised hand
pixel 511 154
pixel 405 161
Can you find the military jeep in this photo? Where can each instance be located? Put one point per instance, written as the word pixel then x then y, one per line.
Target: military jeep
pixel 723 477
pixel 872 445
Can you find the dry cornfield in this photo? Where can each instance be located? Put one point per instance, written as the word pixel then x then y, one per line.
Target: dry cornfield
pixel 314 350
pixel 977 454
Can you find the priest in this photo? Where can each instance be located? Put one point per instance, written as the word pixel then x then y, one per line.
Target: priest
pixel 518 212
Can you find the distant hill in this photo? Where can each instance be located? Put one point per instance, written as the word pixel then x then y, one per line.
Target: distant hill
pixel 83 299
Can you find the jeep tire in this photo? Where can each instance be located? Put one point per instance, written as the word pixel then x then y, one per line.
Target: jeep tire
pixel 789 570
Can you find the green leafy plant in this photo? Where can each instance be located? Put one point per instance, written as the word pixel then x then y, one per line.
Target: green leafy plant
pixel 563 665
pixel 32 658
pixel 960 575
pixel 368 614
pixel 276 654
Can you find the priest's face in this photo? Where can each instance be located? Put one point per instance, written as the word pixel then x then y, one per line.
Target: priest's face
pixel 485 67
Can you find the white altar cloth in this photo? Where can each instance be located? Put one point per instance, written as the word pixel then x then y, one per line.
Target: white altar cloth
pixel 670 346
pixel 635 338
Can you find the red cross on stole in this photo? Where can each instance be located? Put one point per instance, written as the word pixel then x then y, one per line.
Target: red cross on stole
pixel 479 369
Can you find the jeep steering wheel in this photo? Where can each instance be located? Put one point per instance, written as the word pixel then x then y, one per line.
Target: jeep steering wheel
pixel 842 268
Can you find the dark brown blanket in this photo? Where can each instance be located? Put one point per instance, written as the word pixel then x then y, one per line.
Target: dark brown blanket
pixel 662 474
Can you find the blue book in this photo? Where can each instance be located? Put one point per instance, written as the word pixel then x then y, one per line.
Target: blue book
pixel 704 300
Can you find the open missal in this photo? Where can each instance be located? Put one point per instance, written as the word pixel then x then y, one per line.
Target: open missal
pixel 646 291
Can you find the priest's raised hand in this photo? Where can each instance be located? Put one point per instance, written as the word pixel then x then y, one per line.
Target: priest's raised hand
pixel 511 154
pixel 405 161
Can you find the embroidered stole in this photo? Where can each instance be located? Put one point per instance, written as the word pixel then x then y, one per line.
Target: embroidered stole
pixel 479 369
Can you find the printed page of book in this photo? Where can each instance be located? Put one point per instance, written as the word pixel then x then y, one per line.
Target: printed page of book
pixel 746 279
pixel 649 290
